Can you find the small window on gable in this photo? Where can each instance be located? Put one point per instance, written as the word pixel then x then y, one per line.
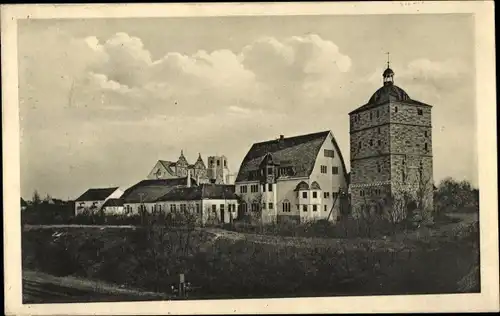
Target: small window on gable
pixel 335 170
pixel 420 112
pixel 395 109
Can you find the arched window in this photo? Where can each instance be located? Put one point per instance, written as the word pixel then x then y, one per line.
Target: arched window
pixel 286 206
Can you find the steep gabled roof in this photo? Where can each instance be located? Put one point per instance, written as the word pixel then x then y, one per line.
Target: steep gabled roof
pixel 98 194
pixel 299 152
pixel 149 191
pixel 201 192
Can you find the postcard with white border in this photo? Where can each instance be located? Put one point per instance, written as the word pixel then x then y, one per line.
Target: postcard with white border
pixel 249 158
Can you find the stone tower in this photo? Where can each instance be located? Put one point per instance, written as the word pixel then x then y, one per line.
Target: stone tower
pixel 218 169
pixel 391 149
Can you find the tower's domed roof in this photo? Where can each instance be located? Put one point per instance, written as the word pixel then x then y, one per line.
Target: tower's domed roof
pixel 387 93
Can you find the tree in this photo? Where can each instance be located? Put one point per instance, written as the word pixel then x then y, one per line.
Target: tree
pixel 36 200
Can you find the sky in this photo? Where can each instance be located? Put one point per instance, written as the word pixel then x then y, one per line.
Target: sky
pixel 101 100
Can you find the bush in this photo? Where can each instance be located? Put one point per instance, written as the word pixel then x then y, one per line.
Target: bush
pixel 453 196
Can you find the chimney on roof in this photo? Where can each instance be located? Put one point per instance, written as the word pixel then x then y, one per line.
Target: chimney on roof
pixel 282 137
pixel 189 179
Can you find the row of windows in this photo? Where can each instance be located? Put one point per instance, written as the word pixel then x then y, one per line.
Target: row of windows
pixel 181 207
pixel 377 113
pixel 324 169
pixel 315 194
pixel 254 188
pixel 370 192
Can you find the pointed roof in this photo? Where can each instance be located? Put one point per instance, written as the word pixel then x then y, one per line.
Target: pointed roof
pixel 299 152
pixel 199 162
pixel 182 159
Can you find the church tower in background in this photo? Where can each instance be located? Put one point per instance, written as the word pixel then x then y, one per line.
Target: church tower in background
pixel 391 149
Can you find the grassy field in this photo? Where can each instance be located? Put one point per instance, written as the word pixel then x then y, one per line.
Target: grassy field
pixel 227 264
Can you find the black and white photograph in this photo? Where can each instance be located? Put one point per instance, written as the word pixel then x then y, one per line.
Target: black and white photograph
pixel 211 158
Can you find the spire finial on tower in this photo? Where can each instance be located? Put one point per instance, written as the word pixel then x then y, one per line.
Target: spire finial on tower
pixel 388 73
pixel 388 59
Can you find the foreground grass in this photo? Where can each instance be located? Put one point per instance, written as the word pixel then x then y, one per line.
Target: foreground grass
pixel 227 264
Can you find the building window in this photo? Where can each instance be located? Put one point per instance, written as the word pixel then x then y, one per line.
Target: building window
pixel 377 113
pixel 225 164
pixel 172 208
pixel 379 168
pixel 254 188
pixel 370 115
pixel 326 208
pixel 329 153
pixel 326 195
pixel 214 208
pixel 304 208
pixel 395 109
pixel 359 145
pixel 183 207
pixel 323 169
pixel 371 142
pixel 404 176
pixel 425 147
pixel 420 112
pixel 315 208
pixel 243 207
pixel 425 133
pixel 269 171
pixel 315 194
pixel 243 189
pixel 270 187
pixel 222 207
pixel 263 188
pixel 378 130
pixel 198 208
pixel 304 195
pixel 255 207
pixel 270 206
pixel 286 206
pixel 334 195
pixel 218 162
pixel 362 193
pixel 335 170
pixel 379 142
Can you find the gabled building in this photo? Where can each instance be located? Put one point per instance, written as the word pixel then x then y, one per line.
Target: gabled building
pixel 300 178
pixel 211 203
pixel 93 199
pixel 143 196
pixel 391 148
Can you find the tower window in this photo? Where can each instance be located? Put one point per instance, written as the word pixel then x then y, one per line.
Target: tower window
pixel 378 130
pixel 420 112
pixel 377 113
pixel 225 164
pixel 395 109
pixel 425 133
pixel 425 147
pixel 370 115
pixel 360 145
pixel 379 142
pixel 362 193
pixel 371 142
pixel 270 187
pixel 379 168
pixel 218 162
